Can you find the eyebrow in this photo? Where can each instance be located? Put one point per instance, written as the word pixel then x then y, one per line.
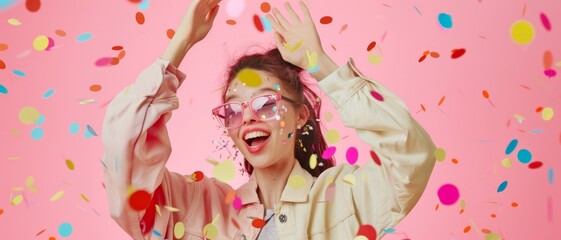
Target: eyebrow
pixel 265 89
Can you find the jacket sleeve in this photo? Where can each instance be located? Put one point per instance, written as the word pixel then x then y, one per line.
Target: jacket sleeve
pixel 381 195
pixel 137 146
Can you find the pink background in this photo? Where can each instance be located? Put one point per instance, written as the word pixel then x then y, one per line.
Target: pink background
pixel 466 124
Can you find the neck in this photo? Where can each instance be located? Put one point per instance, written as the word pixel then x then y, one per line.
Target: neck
pixel 271 182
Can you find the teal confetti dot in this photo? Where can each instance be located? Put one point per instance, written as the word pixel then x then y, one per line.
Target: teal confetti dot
pixel 274 109
pixel 445 20
pixel 502 187
pixel 91 130
pixel 18 73
pixel 143 5
pixel 65 229
pixel 6 3
pixel 277 87
pixel 511 146
pixel 3 89
pixel 524 156
pixel 84 37
pixel 37 133
pixel 389 230
pixel 40 120
pixel 48 93
pixel 87 134
pixel 266 24
pixel 550 175
pixel 156 233
pixel 74 128
pixel 313 70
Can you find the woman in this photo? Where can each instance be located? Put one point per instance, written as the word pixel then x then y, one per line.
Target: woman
pixel 271 117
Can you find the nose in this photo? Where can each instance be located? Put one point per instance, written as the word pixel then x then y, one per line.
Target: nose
pixel 246 113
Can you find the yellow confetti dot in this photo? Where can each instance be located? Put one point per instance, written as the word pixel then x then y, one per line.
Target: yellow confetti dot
pixel 224 171
pixel 69 164
pixel 158 209
pixel 17 188
pixel 313 161
pixel 440 154
pixel 210 231
pixel 332 136
pixel 249 77
pixel 282 123
pixel 374 58
pixel 17 200
pixel 462 204
pixel 296 181
pixel 312 59
pixel 57 196
pixel 360 238
pixel 171 209
pixel 41 43
pixel 328 116
pixel 179 230
pixel 558 64
pixel 522 32
pixel 350 179
pixel 14 22
pixel 547 114
pixel 506 163
pixel 29 181
pixel 28 115
pixel 84 197
pixel 492 236
pixel 33 189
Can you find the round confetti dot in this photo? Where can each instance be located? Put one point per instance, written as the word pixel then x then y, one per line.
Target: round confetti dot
pixel 179 230
pixel 48 93
pixel 448 194
pixel 28 115
pixel 84 37
pixel 139 200
pixel 87 133
pixel 326 20
pixel 143 5
pixel 352 155
pixel 502 186
pixel 265 7
pixel 550 73
pixel 445 20
pixel 33 5
pixel 18 73
pixel 210 231
pixel 434 54
pixel 522 32
pixel 374 58
pixel 524 156
pixel 332 136
pixel 547 114
pixel 535 165
pixel 234 8
pixel 3 47
pixel 170 33
pixel 514 204
pixel 349 179
pixel 2 65
pixel 95 88
pixel 74 128
pixel 545 22
pixel 13 21
pixel 313 161
pixel 3 89
pixel 511 146
pixel 249 77
pixel 224 171
pixel 41 43
pixel 440 154
pixel 371 46
pixel 466 229
pixel 17 200
pixel 40 120
pixel 266 24
pixel 485 94
pixel 492 236
pixel 258 223
pixel 258 23
pixel 231 22
pixel 367 231
pixel 237 203
pixel 69 164
pixel 197 176
pixel 328 153
pixel 139 18
pixel 377 96
pixel 506 163
pixel 65 229
pixel 296 181
pixel 60 33
pixel 456 53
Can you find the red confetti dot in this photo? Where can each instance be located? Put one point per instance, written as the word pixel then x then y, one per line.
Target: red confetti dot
pixel 140 200
pixel 485 94
pixel 375 158
pixel 368 231
pixel 422 58
pixel 265 7
pixel 539 109
pixel 258 223
pixel 231 22
pixel 467 229
pixel 140 18
pixel 114 61
pixel 514 204
pixel 535 165
pixel 1 211
pixel 117 48
pixel 545 21
pixel 33 5
pixel 257 22
pixel 434 55
pixel 135 1
pixel 2 65
pixel 455 161
pixel 326 20
pixel 456 53
pixel 197 176
pixel 423 107
pixel 95 88
pixel 441 100
pixel 371 46
pixel 170 33
pixel 493 215
pixel 377 96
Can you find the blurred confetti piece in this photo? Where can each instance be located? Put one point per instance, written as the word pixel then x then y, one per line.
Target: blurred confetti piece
pixel 445 20
pixel 91 130
pixel 312 59
pixel 156 232
pixel 328 153
pixel 29 181
pixel 56 196
pixel 28 115
pixel 74 128
pixel 440 154
pixel 550 175
pixel 249 77
pixel 139 200
pixel 265 7
pixel 535 165
pixel 266 24
pixel 492 236
pixel 545 22
pixel 313 161
pixel 104 61
pixel 2 65
pixel 210 231
pixel 69 164
pixel 375 158
pixel 231 22
pixel 547 114
pixel 18 73
pixel 350 179
pixel 3 89
pixel 441 100
pixel 60 33
pixel 352 155
pixel 230 196
pixel 143 5
pixel 257 23
pixel 65 229
pixel 37 133
pixel 434 54
pixel 16 200
pixel 550 73
pixel 179 230
pixel 502 186
pixel 374 58
pixel 422 58
pixel 84 37
pixel 225 171
pixel 367 231
pixel 95 88
pixel 522 32
pixel 371 46
pixel 14 21
pixel 343 28
pixel 33 5
pixel 40 43
pixel 511 146
pixel 506 163
pixel 84 197
pixel 377 95
pixel 326 20
pixel 332 136
pixel 524 156
pixel 3 47
pixel 170 33
pixel 456 53
pixel 197 176
pixel 547 59
pixel 158 210
pixel 296 181
pixel 171 209
pixel 237 203
pixel 258 223
pixel 448 194
pixel 139 18
pixel 48 93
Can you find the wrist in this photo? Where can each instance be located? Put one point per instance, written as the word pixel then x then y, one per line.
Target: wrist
pixel 325 66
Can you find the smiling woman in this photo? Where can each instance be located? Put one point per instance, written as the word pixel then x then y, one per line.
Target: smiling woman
pixel 272 117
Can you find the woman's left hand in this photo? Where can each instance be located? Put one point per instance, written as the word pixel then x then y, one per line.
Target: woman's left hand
pixel 297 40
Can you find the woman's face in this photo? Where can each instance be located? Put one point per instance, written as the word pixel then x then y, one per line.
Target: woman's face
pixel 267 143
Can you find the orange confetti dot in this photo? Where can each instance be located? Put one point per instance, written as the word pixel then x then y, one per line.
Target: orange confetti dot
pixel 231 22
pixel 60 33
pixel 52 238
pixel 114 61
pixel 265 7
pixel 1 211
pixel 140 200
pixel 335 49
pixel 236 224
pixel 539 109
pixel 3 46
pixel 436 208
pixel 467 229
pixel 33 5
pixel 422 58
pixel 117 48
pixel 135 1
pixel 485 94
pixel 514 204
pixel 95 88
pixel 423 107
pixel 493 215
pixel 2 65
pixel 426 52
pixel 258 223
pixel 461 211
pixel 371 46
pixel 121 55
pixel 230 196
pixel 486 231
pixel 455 161
pixel 434 55
pixel 547 59
pixel 441 100
pixel 170 33
pixel 326 20
pixel 140 18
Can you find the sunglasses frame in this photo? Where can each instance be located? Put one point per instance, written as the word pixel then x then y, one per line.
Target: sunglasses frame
pixel 248 104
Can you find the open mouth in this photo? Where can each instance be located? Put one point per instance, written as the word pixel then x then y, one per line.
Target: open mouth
pixel 256 141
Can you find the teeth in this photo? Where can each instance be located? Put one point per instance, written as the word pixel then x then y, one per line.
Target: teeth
pixel 255 134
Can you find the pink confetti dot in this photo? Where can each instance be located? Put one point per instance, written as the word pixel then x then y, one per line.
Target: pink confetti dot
pixel 448 194
pixel 328 153
pixel 550 72
pixel 377 96
pixel 237 203
pixel 352 155
pixel 545 21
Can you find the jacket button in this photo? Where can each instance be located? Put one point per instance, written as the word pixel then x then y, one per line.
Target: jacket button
pixel 282 218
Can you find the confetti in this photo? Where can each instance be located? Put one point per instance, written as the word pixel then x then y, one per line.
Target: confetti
pixel 492 236
pixel 440 154
pixel 326 20
pixel 28 115
pixel 375 158
pixel 352 155
pixel 257 23
pixel 40 43
pixel 224 171
pixel 511 146
pixel 179 230
pixel 95 88
pixel 434 54
pixel 441 100
pixel 57 196
pixel 547 114
pixel 328 153
pixel 143 5
pixel 456 53
pixel 13 21
pixel 2 65
pixel 33 5
pixel 374 58
pixel 60 33
pixel 156 232
pixel 91 130
pixel 535 165
pixel 367 231
pixel 16 200
pixel 74 128
pixel 84 197
pixel 139 200
pixel 249 77
pixel 3 89
pixel 18 73
pixel 266 24
pixel 445 20
pixel 522 32
pixel 230 196
pixel 332 136
pixel 210 231
pixel 104 61
pixel 65 229
pixel 506 163
pixel 296 181
pixel 170 33
pixel 350 179
pixel 545 22
pixel 524 156
pixel 237 203
pixel 84 37
pixel 377 96
pixel 265 7
pixel 547 59
pixel 139 18
pixel 550 175
pixel 69 164
pixel 258 223
pixel 502 186
pixel 448 194
pixel 231 22
pixel 197 176
pixel 371 46
pixel 48 93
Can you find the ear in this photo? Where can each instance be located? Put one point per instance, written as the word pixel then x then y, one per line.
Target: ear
pixel 303 115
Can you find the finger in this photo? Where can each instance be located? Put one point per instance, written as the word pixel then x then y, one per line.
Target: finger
pixel 213 12
pixel 307 14
pixel 279 40
pixel 212 3
pixel 275 24
pixel 292 13
pixel 281 18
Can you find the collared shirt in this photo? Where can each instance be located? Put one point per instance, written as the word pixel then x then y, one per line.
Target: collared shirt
pixel 331 206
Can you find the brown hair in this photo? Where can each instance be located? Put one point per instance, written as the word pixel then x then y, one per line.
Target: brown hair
pixel 289 74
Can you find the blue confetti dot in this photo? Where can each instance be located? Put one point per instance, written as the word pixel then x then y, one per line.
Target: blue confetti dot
pixel 156 233
pixel 18 73
pixel 143 5
pixel 40 120
pixel 37 133
pixel 502 187
pixel 511 146
pixel 445 20
pixel 91 130
pixel 87 133
pixel 65 229
pixel 266 24
pixel 3 89
pixel 74 128
pixel 389 230
pixel 550 176
pixel 315 69
pixel 49 93
pixel 6 3
pixel 84 37
pixel 524 156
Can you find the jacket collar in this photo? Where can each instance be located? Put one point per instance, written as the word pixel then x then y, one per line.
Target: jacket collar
pixel 248 191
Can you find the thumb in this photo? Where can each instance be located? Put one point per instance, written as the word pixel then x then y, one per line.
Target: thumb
pixel 279 40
